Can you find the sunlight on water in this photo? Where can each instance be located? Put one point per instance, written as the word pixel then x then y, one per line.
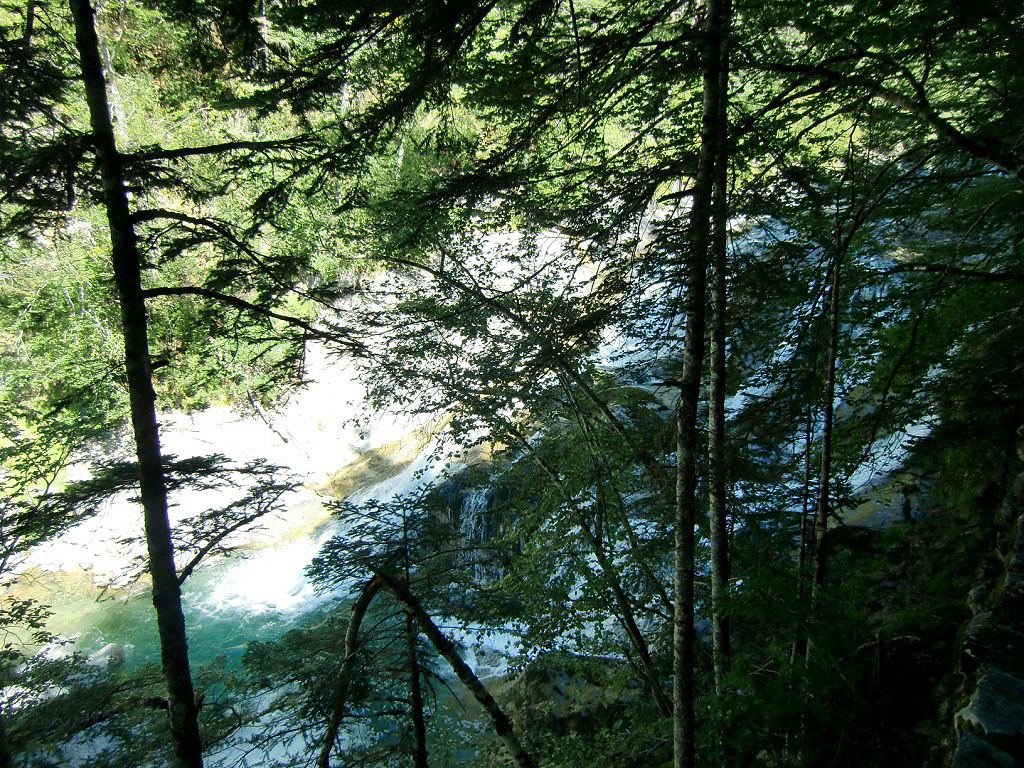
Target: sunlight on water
pixel 259 591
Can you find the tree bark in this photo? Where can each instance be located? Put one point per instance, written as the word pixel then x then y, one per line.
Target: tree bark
pixel 30 20
pixel 419 726
pixel 116 105
pixel 807 526
pixel 263 53
pixel 683 747
pixel 717 509
pixel 824 480
pixel 805 497
pixel 182 709
pixel 445 647
pixel 6 759
pixel 347 672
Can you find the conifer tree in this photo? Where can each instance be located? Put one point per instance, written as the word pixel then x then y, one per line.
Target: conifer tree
pixel 684 693
pixel 127 267
pixel 717 483
pixel 875 160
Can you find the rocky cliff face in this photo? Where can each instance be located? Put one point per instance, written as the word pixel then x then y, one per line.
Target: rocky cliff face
pixel 990 728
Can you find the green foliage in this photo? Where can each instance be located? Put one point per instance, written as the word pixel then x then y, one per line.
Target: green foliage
pixel 393 177
pixel 296 676
pixel 66 707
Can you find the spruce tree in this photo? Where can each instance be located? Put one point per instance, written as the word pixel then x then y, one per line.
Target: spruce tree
pixel 127 267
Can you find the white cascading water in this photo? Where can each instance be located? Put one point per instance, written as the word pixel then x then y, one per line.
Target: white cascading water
pixel 321 428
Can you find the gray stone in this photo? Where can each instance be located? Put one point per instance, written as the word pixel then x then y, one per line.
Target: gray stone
pixel 109 654
pixel 972 752
pixel 996 711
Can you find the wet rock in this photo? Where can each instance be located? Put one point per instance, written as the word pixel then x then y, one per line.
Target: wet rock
pixel 109 654
pixel 978 640
pixel 990 728
pixel 976 598
pixel 566 691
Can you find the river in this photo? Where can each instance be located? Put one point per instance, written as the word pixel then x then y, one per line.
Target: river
pixel 259 590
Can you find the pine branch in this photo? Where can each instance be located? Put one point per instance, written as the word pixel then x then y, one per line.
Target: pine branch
pixel 155 153
pixel 945 269
pixel 234 301
pixel 921 108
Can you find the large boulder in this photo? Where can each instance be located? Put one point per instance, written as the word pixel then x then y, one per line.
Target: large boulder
pixel 110 654
pixel 973 752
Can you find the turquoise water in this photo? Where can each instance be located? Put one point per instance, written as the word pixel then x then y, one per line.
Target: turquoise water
pixel 216 627
pixel 221 622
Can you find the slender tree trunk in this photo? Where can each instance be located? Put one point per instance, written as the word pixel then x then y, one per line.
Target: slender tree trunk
pixel 622 601
pixel 340 696
pixel 807 524
pixel 30 19
pixel 263 55
pixel 628 619
pixel 117 112
pixel 824 481
pixel 683 749
pixel 805 496
pixel 717 510
pixel 445 647
pixel 399 157
pixel 419 725
pixel 6 758
pixel 682 618
pixel 601 469
pixel 182 709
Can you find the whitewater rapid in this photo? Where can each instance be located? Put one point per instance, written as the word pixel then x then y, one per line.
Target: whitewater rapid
pixel 318 430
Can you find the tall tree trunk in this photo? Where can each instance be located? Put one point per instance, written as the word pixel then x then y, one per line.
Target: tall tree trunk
pixel 689 392
pixel 339 697
pixel 263 54
pixel 805 497
pixel 419 726
pixel 717 510
pixel 6 758
pixel 445 647
pixel 30 19
pixel 117 112
pixel 182 709
pixel 824 480
pixel 807 526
